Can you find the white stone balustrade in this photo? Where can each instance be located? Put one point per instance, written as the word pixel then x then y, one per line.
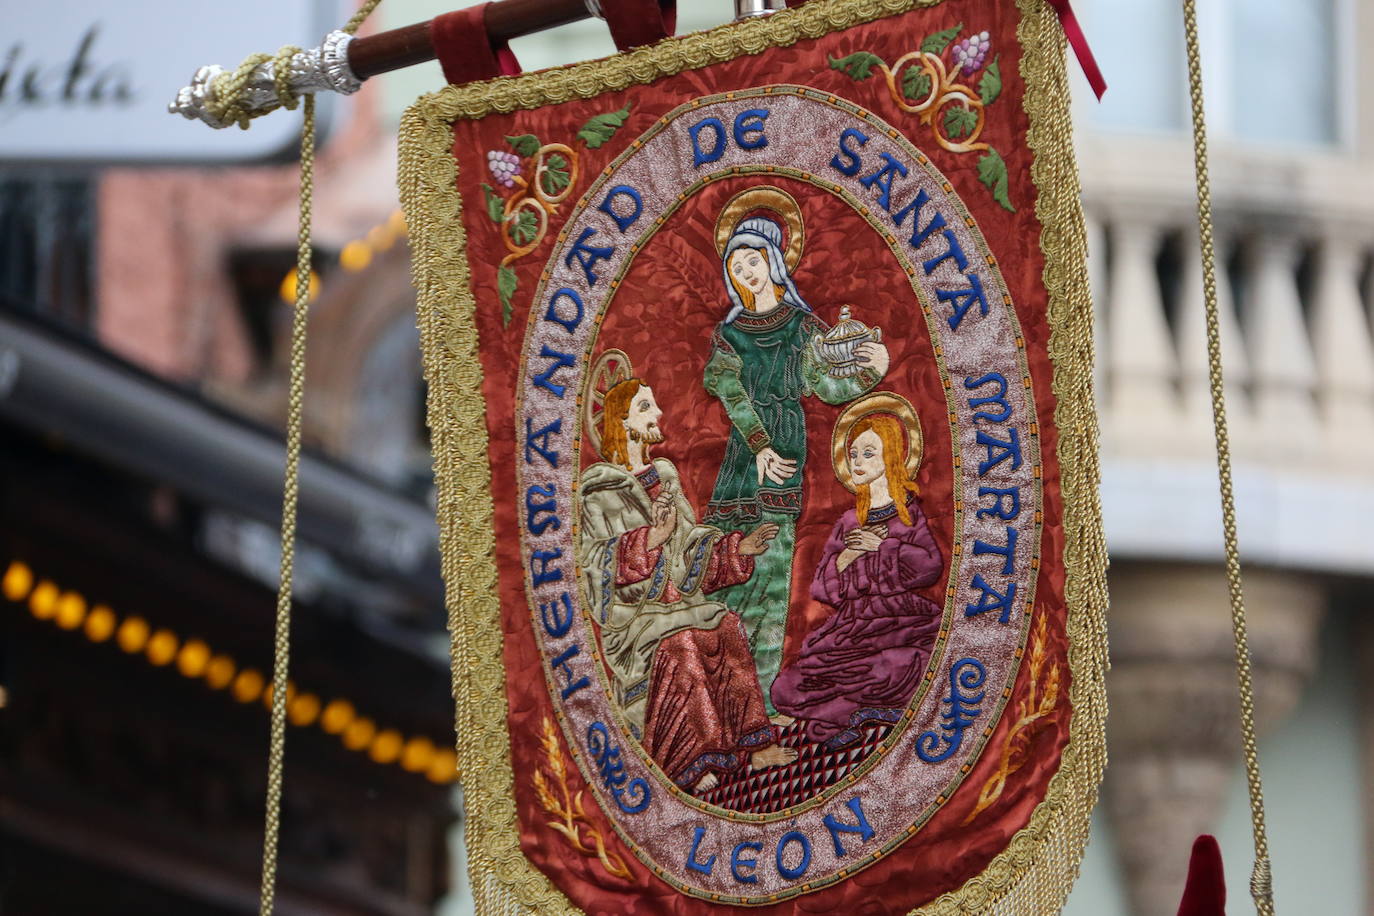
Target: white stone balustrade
pixel 1297 244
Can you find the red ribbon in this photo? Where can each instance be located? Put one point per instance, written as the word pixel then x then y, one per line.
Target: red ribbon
pixel 1079 42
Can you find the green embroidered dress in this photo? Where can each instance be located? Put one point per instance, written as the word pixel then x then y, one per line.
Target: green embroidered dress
pixel 760 368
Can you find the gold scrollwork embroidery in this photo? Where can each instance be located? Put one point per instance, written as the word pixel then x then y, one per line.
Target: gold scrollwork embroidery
pixel 567 808
pixel 523 216
pixel 1042 693
pixel 926 84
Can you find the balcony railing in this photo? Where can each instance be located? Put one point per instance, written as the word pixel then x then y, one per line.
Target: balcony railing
pixel 1295 244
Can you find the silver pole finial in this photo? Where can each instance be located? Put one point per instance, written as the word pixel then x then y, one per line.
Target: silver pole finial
pixel 747 9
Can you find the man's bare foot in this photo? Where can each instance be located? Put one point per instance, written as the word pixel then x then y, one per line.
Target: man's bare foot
pixel 706 783
pixel 780 720
pixel 774 756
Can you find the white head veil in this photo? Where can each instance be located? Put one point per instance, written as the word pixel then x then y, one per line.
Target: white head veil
pixel 764 234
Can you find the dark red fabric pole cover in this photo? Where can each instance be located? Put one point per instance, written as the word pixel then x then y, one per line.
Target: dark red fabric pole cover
pixel 639 22
pixel 465 50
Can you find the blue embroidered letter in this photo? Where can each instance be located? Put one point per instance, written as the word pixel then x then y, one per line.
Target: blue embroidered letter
pixel 560 663
pixel 543 574
pixel 569 324
pixel 794 836
pixel 1007 553
pixel 698 833
pixel 883 179
pixel 700 157
pixel 1004 450
pixel 532 441
pixel 999 508
pixel 533 507
pixel 558 626
pixel 738 861
pixel 964 299
pixel 560 361
pixel 751 122
pixel 608 205
pixel 588 255
pixel 991 599
pixel 851 166
pixel 919 235
pixel 953 250
pixel 836 827
pixel 1000 398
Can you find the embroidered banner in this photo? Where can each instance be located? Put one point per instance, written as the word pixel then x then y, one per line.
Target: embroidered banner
pixel 760 391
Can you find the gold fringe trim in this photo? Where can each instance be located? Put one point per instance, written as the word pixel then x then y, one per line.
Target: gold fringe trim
pixel 1034 873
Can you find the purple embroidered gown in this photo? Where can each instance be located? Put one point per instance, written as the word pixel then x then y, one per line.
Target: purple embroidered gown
pixel 864 662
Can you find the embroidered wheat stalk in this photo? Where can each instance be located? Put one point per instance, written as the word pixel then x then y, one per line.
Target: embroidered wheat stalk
pixel 557 800
pixel 1039 702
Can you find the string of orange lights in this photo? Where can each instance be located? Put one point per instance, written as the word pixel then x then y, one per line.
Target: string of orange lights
pixel 193 658
pixel 354 256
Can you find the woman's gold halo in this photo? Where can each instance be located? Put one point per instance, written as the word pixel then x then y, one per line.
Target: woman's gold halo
pixel 884 402
pixel 763 197
pixel 610 369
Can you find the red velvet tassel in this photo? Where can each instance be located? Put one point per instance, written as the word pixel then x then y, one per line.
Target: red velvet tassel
pixel 1205 892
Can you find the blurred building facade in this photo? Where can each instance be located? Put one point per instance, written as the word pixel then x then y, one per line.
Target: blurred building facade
pixel 141 404
pixel 180 272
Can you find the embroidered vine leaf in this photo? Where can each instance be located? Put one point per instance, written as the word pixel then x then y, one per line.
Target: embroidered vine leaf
pixel 936 44
pixel 602 127
pixel 992 172
pixel 990 86
pixel 505 287
pixel 496 207
pixel 858 66
pixel 524 227
pixel 555 176
pixel 916 83
pixel 525 144
pixel 960 122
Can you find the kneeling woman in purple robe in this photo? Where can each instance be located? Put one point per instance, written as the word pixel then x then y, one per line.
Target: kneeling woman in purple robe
pixel 864 663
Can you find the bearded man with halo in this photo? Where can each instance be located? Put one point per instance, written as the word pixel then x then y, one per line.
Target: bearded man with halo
pixel 683 676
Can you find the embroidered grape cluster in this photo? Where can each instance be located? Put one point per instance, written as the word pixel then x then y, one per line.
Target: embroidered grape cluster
pixel 970 53
pixel 504 167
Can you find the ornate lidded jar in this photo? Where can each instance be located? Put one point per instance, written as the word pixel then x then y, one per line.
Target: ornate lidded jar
pixel 836 347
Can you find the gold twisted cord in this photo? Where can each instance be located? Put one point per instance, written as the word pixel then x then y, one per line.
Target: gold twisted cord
pixel 226 105
pixel 290 493
pixel 291 485
pixel 1261 882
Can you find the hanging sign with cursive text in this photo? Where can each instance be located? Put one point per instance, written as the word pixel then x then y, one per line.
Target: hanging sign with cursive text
pixel 89 81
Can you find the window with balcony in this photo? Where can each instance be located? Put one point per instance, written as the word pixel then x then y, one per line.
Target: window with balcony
pixel 47 248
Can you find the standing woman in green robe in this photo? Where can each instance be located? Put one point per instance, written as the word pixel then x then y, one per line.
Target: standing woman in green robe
pixel 761 365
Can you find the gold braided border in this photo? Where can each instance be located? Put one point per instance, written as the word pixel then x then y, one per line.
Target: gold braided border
pixel 1034 873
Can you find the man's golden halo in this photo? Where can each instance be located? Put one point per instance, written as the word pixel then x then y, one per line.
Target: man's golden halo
pixel 763 197
pixel 885 402
pixel 610 369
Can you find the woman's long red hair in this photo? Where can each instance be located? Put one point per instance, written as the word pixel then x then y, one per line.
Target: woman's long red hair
pixel 893 438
